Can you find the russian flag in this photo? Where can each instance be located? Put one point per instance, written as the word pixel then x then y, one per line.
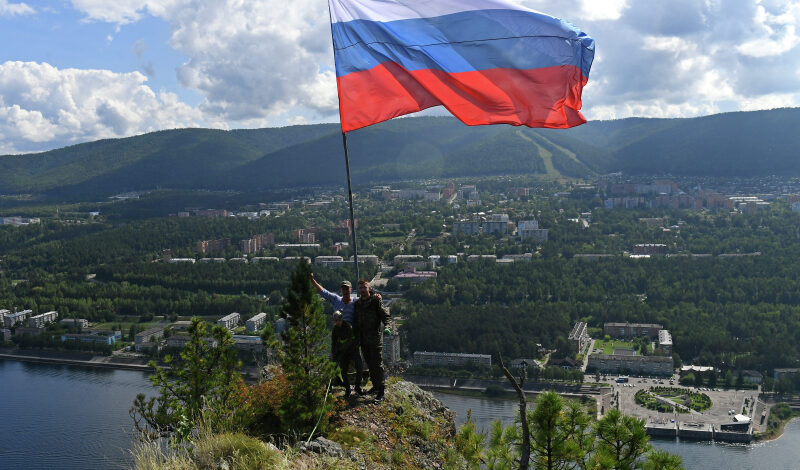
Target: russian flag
pixel 486 61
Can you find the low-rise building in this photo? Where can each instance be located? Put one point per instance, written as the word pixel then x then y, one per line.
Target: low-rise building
pixel 525 363
pixel 411 261
pixel 248 343
pixel 624 364
pixel 470 228
pixel 330 261
pixel 5 335
pixel 367 259
pixel 785 372
pixel 752 376
pixel 74 323
pixel 650 249
pixel 180 341
pixel 665 342
pixel 182 325
pixel 39 321
pixel 230 321
pixel 632 330
pixel 529 230
pixel 29 331
pixel 415 276
pixel 391 349
pixel 497 224
pixel 565 363
pixel 13 319
pixel 687 369
pixel 474 258
pixel 579 336
pixel 442 359
pixel 149 335
pixel 256 322
pixel 97 338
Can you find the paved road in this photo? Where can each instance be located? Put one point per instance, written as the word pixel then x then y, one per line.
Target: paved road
pixel 723 401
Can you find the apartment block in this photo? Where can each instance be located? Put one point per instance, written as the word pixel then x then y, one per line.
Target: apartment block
pixel 230 321
pixel 212 246
pixel 13 319
pixel 470 228
pixel 442 359
pixel 43 319
pixel 529 230
pixel 579 337
pixel 148 336
pixel 74 323
pixel 632 330
pixel 391 349
pixel 497 224
pixel 624 364
pixel 256 322
pixel 665 342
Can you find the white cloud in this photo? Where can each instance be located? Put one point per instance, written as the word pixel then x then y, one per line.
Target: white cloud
pixel 596 10
pixel 116 11
pixel 269 62
pixel 776 23
pixel 14 9
pixel 42 106
pixel 252 60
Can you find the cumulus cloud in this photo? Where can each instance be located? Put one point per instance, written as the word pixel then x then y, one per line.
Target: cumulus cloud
pixel 687 58
pixel 266 62
pixel 253 61
pixel 15 9
pixel 43 107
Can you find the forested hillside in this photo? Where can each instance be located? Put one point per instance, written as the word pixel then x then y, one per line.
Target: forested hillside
pixel 733 144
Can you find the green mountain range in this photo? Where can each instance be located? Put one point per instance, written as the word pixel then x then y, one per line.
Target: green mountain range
pixel 731 144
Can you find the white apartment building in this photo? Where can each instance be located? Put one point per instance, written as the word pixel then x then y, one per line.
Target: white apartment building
pixel 529 229
pixel 230 321
pixel 12 319
pixel 256 322
pixel 497 224
pixel 441 359
pixel 43 319
pixel 467 227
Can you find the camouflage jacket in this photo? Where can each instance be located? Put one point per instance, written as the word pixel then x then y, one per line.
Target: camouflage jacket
pixel 370 313
pixel 343 341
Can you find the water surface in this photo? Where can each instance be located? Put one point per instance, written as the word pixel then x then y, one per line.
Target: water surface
pixel 780 454
pixel 66 417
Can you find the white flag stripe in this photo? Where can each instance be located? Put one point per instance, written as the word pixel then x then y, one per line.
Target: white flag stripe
pixel 392 10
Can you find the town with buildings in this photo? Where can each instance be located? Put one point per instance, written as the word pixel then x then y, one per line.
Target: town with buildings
pixel 422 233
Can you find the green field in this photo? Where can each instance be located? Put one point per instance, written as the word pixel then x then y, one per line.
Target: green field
pixel 608 347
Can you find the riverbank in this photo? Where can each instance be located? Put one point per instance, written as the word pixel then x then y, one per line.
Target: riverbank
pixel 780 415
pixel 104 362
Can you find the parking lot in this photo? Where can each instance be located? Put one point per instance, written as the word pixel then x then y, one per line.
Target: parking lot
pixel 725 403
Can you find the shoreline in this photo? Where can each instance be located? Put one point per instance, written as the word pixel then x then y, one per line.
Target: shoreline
pixel 74 362
pixel 778 432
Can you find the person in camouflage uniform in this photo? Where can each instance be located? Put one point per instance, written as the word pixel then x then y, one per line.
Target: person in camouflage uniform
pixel 370 313
pixel 343 346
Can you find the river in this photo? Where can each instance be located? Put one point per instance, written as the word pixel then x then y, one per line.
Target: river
pixel 780 454
pixel 66 417
pixel 72 417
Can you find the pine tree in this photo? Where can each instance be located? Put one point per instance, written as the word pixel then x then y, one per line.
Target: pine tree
pixel 304 356
pixel 204 379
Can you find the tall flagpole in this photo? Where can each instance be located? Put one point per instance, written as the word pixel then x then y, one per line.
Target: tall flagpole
pixel 350 194
pixel 346 164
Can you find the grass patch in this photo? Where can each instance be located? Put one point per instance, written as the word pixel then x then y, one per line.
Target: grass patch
pixel 349 437
pixel 609 346
pixel 238 450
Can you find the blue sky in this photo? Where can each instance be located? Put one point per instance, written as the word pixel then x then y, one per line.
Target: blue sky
pixel 73 71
